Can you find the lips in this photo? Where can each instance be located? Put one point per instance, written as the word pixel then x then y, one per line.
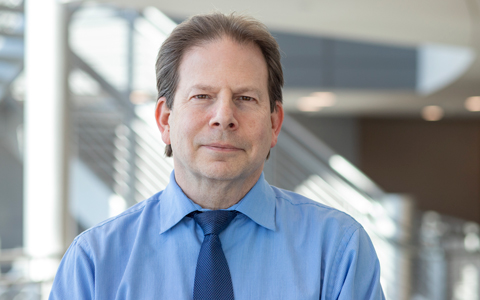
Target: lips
pixel 222 147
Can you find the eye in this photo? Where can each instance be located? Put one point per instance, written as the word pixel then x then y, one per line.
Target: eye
pixel 201 96
pixel 245 98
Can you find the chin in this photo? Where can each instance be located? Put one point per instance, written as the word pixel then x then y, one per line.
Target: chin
pixel 220 174
pixel 228 172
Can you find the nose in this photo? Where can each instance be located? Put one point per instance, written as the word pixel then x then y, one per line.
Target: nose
pixel 224 114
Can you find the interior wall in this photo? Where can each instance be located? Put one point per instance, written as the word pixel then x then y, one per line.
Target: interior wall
pixel 438 163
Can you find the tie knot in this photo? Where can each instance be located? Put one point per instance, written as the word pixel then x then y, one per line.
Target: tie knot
pixel 214 221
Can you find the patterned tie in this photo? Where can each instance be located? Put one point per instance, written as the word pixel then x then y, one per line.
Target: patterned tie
pixel 212 276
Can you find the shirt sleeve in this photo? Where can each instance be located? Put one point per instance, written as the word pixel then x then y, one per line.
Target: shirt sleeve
pixel 358 275
pixel 75 275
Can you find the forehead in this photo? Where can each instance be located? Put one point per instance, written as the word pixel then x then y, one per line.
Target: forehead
pixel 222 63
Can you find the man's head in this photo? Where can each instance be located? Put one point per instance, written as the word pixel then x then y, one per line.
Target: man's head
pixel 203 29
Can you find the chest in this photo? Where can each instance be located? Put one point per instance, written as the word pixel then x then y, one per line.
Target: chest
pixel 262 265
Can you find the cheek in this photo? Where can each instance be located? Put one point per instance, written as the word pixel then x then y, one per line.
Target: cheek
pixel 184 132
pixel 179 135
pixel 261 132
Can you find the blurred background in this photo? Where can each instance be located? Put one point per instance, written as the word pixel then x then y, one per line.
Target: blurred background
pixel 383 104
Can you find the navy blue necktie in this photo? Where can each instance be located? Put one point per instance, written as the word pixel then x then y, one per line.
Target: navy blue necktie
pixel 212 276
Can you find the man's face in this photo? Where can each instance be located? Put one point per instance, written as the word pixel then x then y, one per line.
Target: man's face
pixel 220 126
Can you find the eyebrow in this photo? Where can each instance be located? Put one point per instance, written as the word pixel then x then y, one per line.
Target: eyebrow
pixel 240 90
pixel 202 87
pixel 248 89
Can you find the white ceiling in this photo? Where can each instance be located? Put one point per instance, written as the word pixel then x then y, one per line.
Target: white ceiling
pixel 396 21
pixel 403 22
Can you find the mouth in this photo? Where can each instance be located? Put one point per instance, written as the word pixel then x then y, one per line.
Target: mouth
pixel 222 147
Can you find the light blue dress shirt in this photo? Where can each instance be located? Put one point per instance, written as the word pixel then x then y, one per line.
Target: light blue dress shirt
pixel 281 246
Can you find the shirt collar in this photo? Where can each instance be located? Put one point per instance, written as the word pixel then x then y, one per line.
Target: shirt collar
pixel 174 205
pixel 258 204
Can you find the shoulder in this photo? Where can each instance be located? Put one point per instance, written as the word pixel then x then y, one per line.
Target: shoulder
pixel 330 229
pixel 292 203
pixel 352 269
pixel 124 223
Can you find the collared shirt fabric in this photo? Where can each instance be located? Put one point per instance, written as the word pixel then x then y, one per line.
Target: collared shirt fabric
pixel 280 246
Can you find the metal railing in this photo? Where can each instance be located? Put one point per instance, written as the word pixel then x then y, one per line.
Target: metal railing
pixel 302 163
pixel 14 284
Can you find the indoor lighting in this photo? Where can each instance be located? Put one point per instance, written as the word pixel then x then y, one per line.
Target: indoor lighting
pixel 316 101
pixel 473 103
pixel 432 113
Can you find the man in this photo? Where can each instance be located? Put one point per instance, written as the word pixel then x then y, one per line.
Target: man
pixel 220 112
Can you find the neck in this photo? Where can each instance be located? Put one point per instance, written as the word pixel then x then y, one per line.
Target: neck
pixel 213 193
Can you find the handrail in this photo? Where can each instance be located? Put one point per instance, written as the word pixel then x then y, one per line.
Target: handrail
pixel 325 154
pixel 122 99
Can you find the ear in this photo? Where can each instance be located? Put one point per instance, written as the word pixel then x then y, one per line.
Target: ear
pixel 162 116
pixel 277 120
